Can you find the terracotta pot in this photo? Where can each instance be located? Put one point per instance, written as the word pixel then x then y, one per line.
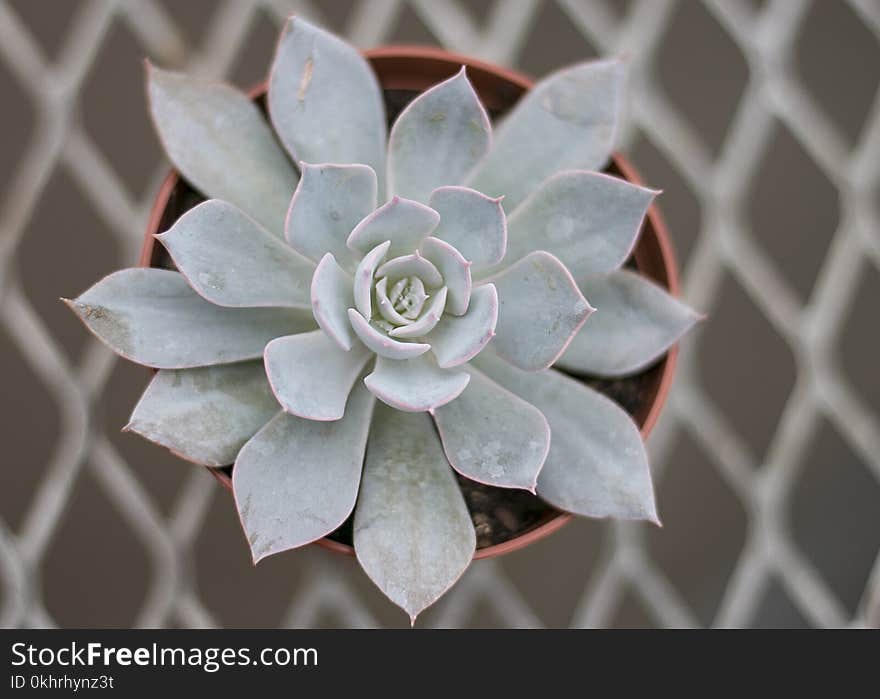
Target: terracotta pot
pixel 417 68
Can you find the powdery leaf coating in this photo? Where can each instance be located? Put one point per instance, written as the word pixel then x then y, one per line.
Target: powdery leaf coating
pixel 597 466
pixel 311 376
pixel 438 139
pixel 324 99
pixel 154 318
pixel 380 343
pixel 404 222
pixel 415 385
pixel 297 480
pixel 540 310
pixel 455 271
pixel 332 296
pixel 636 322
pixel 230 260
pixel 457 340
pixel 567 121
pixel 588 220
pixel 220 142
pixel 472 223
pixel 329 202
pixel 412 532
pixel 491 436
pixel 205 415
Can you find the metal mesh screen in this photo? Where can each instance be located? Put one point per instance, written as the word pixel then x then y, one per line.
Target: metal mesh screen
pixel 770 487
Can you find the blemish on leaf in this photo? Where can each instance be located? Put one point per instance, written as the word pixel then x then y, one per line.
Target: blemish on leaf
pixel 306 79
pixel 212 281
pixel 108 324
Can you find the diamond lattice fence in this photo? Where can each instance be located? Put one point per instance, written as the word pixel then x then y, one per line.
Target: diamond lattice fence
pixel 760 120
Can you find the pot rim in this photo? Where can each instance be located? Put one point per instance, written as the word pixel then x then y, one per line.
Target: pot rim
pixel 446 62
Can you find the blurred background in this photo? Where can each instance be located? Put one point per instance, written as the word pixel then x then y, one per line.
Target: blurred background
pixel 760 120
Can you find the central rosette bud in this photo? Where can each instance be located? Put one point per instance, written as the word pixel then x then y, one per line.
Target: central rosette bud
pixel 410 296
pixel 401 300
pixel 407 296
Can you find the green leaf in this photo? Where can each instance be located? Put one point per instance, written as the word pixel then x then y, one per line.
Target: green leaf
pixel 297 480
pixel 220 142
pixel 205 415
pixel 412 532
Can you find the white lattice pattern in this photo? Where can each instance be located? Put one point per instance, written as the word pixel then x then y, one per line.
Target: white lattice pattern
pixel 763 32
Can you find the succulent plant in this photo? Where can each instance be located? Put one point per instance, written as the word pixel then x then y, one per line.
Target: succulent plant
pixel 434 268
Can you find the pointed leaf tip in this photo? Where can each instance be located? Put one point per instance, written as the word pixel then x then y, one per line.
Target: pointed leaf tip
pixel 589 220
pixel 154 318
pixel 438 138
pixel 637 322
pixel 232 261
pixel 540 311
pixel 413 535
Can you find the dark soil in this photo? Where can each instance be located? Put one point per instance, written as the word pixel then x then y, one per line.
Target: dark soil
pixel 498 514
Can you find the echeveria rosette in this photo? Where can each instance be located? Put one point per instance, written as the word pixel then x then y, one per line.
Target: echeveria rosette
pixel 406 300
pixel 436 267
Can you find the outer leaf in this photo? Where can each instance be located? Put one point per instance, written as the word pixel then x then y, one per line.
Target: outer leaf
pixel 597 464
pixel 153 317
pixel 230 260
pixel 437 139
pixel 457 340
pixel 205 415
pixel 588 220
pixel 415 385
pixel 222 144
pixel 472 223
pixel 380 343
pixel 311 376
pixel 412 532
pixel 297 480
pixel 325 101
pixel 455 271
pixel 636 323
pixel 491 436
pixel 332 296
pixel 404 222
pixel 328 203
pixel 540 310
pixel 567 121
